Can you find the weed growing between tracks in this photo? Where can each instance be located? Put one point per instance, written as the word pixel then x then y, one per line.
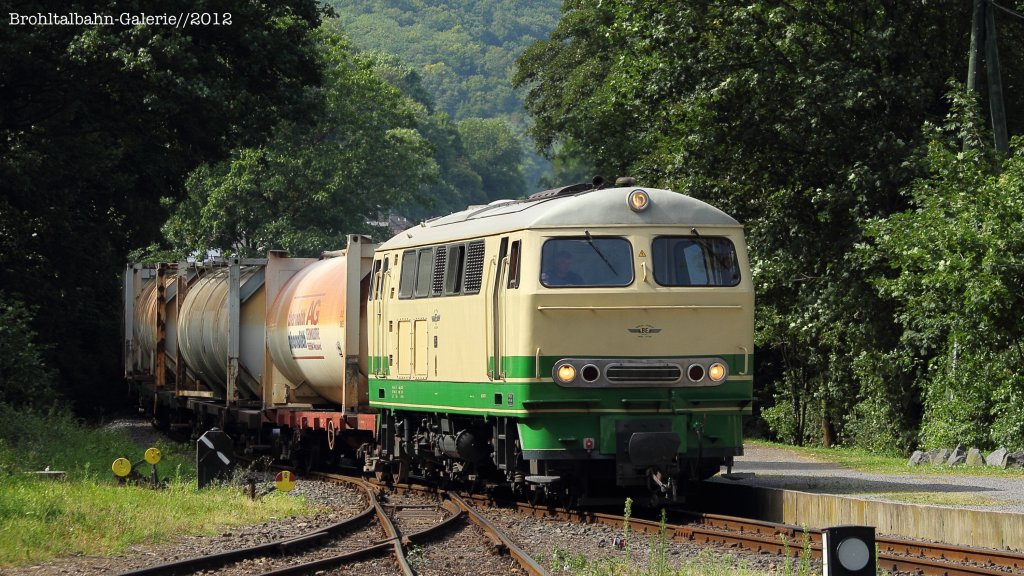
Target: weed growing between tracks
pixel 87 513
pixel 708 562
pixel 804 563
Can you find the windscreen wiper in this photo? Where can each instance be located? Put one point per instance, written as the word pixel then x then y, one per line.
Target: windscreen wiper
pixel 590 240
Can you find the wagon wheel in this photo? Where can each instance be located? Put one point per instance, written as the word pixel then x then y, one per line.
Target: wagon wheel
pixel 400 472
pixel 381 471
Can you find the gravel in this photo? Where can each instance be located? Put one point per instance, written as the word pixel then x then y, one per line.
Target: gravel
pixel 468 551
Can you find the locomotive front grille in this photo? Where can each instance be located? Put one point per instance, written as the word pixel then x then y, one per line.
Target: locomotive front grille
pixel 644 373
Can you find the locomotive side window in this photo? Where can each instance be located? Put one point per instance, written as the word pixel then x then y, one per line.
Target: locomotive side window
pixel 591 261
pixel 456 265
pixel 408 280
pixel 694 261
pixel 375 281
pixel 424 272
pixel 513 265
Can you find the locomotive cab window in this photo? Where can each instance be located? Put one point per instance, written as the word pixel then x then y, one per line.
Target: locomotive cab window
pixel 591 262
pixel 424 272
pixel 456 265
pixel 375 280
pixel 408 280
pixel 695 261
pixel 513 265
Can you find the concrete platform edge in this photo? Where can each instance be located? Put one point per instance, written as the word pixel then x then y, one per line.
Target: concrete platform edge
pixel 958 526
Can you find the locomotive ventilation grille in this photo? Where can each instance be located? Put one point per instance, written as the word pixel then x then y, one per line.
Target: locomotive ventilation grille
pixel 623 373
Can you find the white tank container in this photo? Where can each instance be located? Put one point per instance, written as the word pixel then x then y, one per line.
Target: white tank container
pixel 306 331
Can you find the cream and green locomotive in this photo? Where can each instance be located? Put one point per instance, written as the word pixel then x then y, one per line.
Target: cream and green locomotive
pixel 578 343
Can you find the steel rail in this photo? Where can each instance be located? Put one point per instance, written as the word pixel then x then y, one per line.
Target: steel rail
pixel 894 554
pixel 375 549
pixel 496 534
pixel 283 546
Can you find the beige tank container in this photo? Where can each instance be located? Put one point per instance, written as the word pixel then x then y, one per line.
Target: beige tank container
pixel 309 325
pixel 144 324
pixel 204 333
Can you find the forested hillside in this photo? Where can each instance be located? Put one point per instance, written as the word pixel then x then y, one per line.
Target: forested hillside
pixel 462 51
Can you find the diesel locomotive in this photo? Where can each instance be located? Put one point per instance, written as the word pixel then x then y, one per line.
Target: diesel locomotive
pixel 578 344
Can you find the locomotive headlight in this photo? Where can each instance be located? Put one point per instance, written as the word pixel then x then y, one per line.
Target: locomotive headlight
pixel 566 373
pixel 639 200
pixel 716 371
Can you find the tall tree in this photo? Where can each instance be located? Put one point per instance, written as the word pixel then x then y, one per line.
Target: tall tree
pixel 496 154
pixel 358 155
pixel 798 117
pixel 99 122
pixel 954 265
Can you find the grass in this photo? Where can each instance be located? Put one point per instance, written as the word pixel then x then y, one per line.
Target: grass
pixel 88 513
pixel 944 499
pixel 866 461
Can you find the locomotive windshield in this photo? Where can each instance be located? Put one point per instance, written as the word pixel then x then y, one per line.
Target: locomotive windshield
pixel 695 261
pixel 587 261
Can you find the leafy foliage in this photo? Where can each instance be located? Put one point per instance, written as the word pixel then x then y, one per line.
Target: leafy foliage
pixel 25 379
pixel 463 52
pixel 958 263
pixel 316 181
pixel 98 123
pixel 802 119
pixel 495 153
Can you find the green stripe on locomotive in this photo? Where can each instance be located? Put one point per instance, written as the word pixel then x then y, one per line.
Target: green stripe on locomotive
pixel 557 418
pixel 528 367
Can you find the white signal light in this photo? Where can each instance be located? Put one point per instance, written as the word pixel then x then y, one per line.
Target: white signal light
pixel 566 373
pixel 716 371
pixel 639 200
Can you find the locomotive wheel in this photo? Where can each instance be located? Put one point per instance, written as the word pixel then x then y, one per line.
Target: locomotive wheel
pixel 536 496
pixel 569 498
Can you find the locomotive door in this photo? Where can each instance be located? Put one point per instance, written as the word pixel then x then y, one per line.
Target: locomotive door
pixel 496 369
pixel 380 282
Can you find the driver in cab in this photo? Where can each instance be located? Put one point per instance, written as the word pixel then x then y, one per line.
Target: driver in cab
pixel 559 272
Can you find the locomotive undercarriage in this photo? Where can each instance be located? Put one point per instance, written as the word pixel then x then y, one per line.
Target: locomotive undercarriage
pixel 485 454
pixel 453 450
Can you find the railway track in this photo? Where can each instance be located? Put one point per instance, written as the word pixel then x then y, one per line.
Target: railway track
pixel 406 525
pixel 894 555
pixel 399 528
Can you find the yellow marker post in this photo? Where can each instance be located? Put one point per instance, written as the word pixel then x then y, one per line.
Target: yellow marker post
pixel 152 456
pixel 122 467
pixel 284 481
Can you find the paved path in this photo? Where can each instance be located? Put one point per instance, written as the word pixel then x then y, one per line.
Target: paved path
pixel 781 468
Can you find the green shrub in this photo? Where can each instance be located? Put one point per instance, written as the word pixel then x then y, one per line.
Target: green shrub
pixel 25 380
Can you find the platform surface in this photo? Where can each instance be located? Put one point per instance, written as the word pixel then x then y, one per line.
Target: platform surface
pixel 771 467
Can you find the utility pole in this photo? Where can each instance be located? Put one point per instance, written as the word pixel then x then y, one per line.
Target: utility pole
pixel 983 29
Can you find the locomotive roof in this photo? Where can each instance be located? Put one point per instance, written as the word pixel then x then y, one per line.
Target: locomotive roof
pixel 605 207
